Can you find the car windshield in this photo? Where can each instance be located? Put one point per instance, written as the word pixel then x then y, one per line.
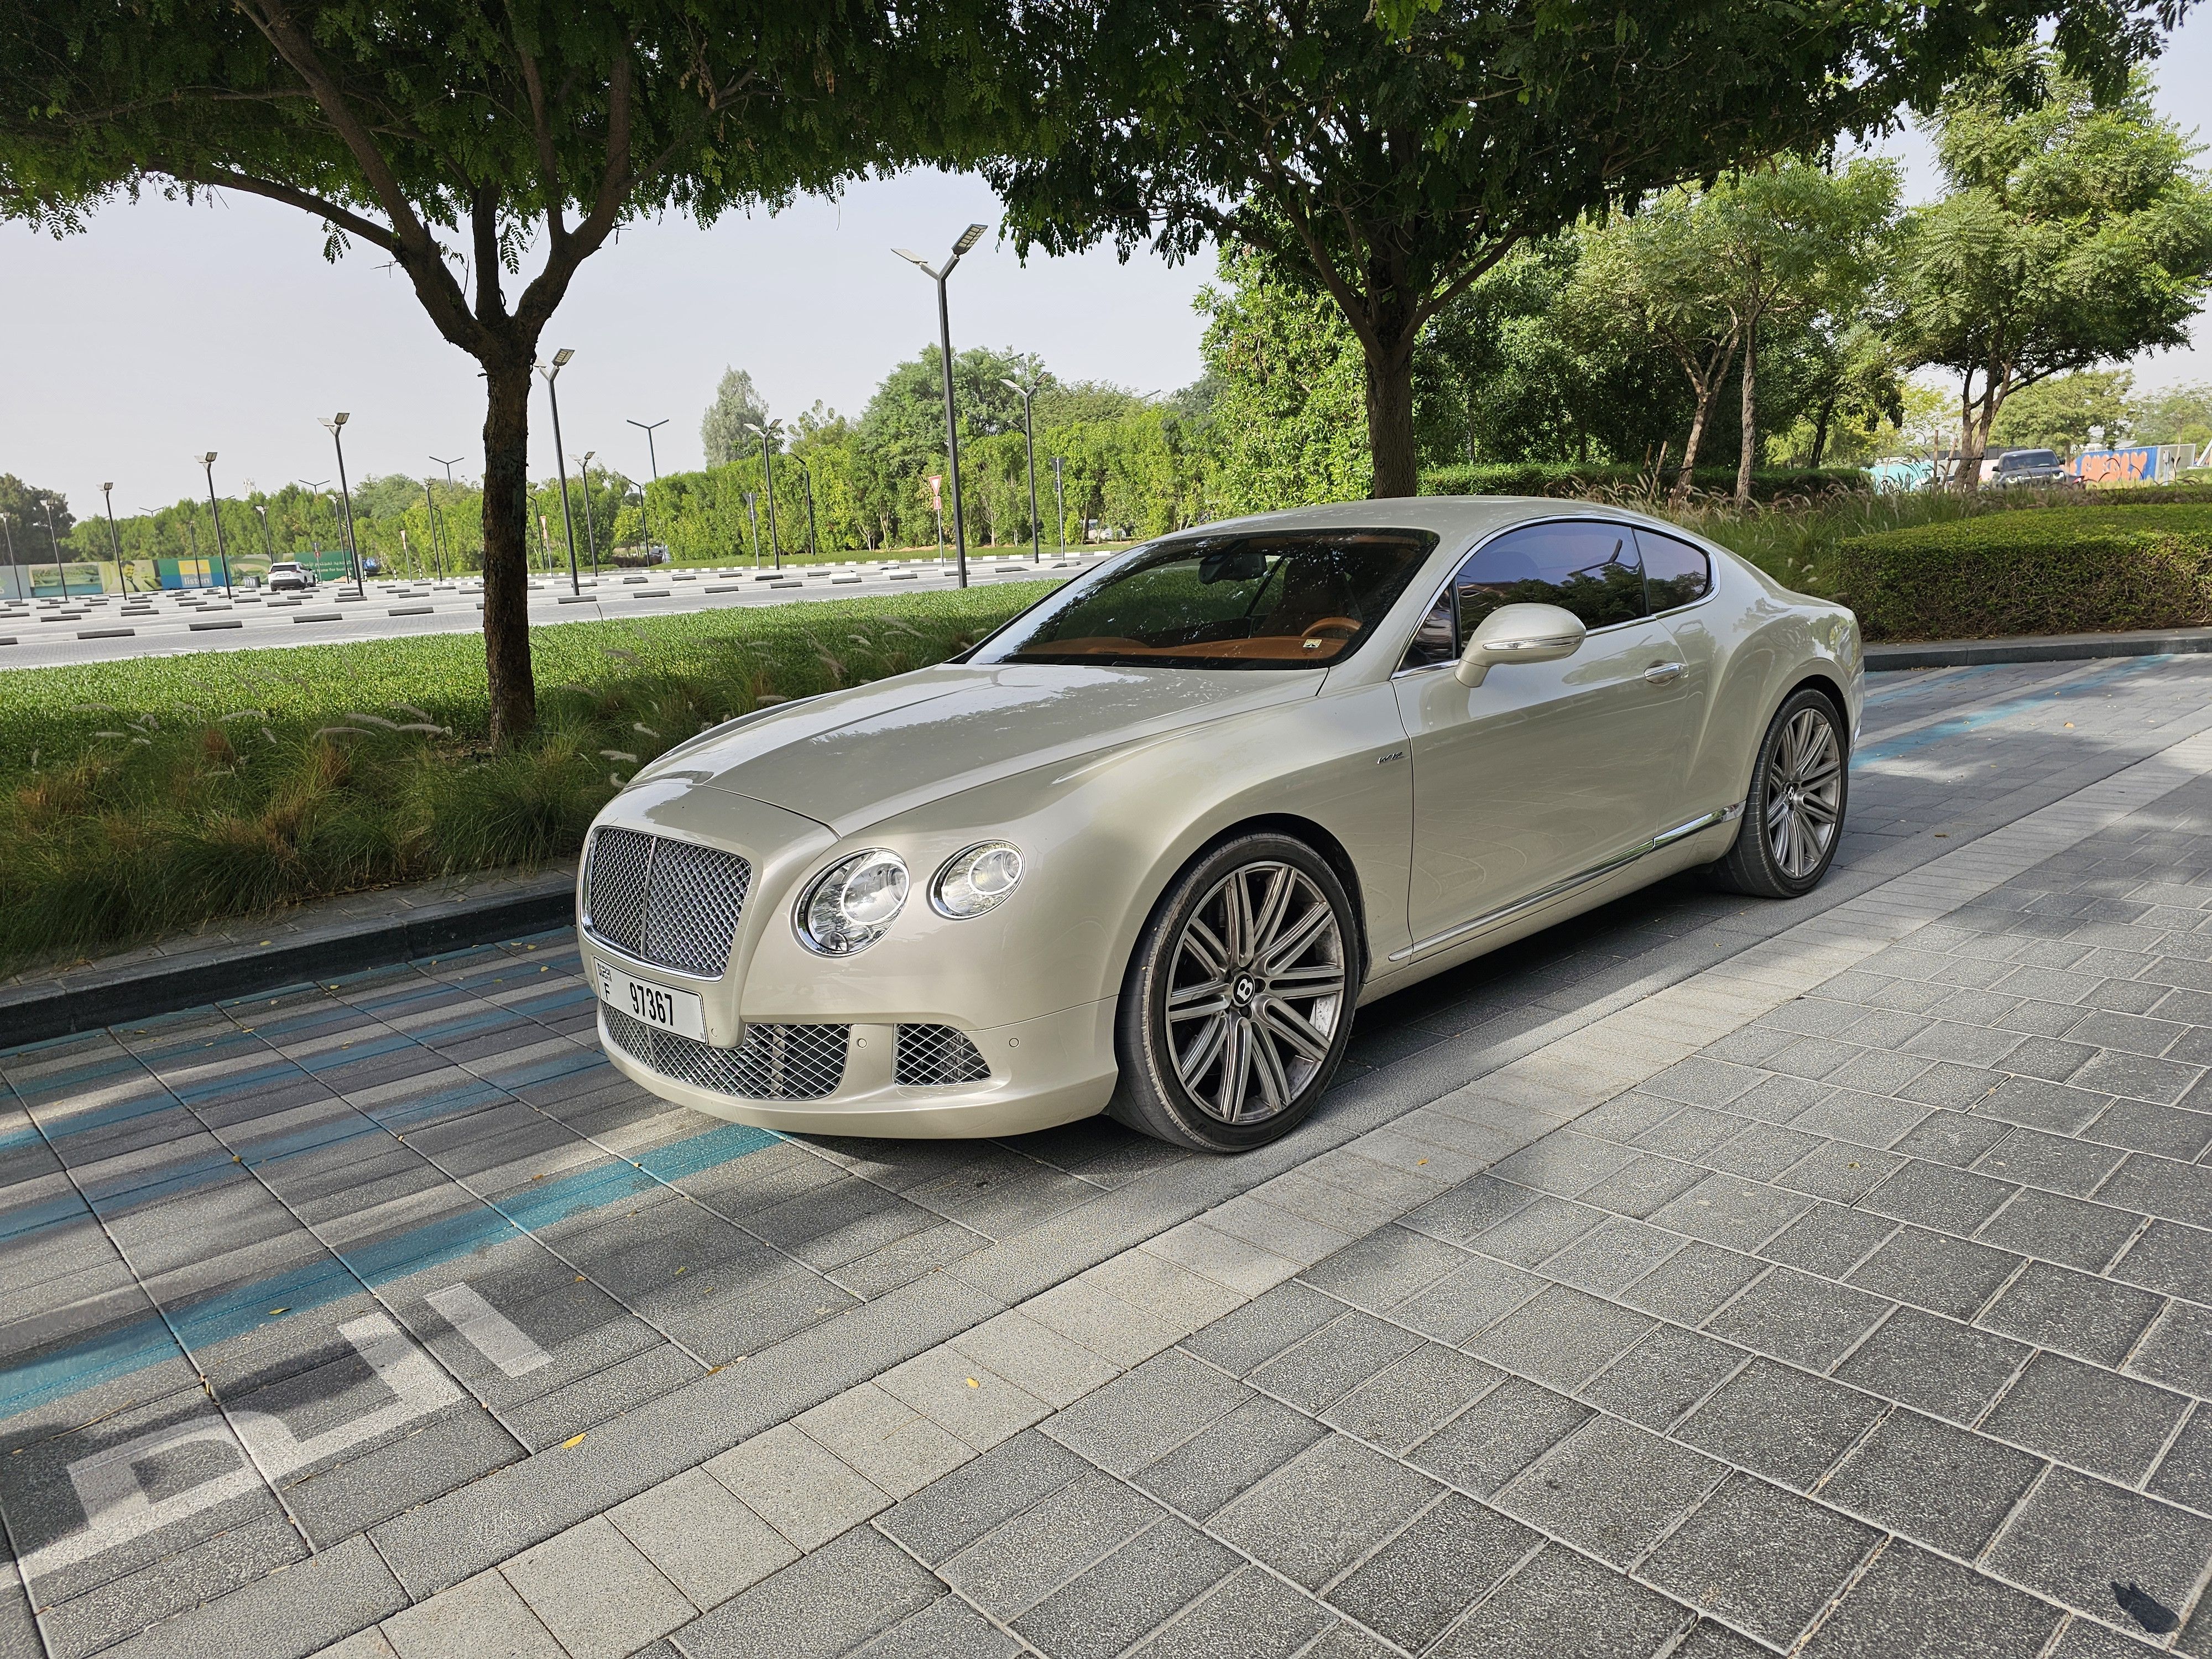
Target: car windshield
pixel 2020 457
pixel 1290 599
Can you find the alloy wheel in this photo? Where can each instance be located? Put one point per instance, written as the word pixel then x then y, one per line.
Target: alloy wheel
pixel 1804 793
pixel 1256 989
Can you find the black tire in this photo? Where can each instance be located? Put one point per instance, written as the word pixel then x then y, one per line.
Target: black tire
pixel 1278 1030
pixel 1793 816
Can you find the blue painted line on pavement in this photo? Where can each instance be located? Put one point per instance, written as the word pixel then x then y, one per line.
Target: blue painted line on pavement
pixel 1891 748
pixel 134 1347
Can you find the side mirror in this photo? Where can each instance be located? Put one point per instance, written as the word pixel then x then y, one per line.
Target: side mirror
pixel 1520 633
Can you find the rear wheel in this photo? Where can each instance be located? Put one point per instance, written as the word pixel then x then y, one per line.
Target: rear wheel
pixel 1237 1004
pixel 1793 814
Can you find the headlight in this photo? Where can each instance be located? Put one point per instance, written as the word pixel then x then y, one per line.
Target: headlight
pixel 974 879
pixel 851 903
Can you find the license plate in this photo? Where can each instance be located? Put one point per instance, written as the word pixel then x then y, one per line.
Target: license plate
pixel 679 1012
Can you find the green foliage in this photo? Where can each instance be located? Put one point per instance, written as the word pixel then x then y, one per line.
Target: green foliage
pixel 1570 478
pixel 159 792
pixel 725 430
pixel 2172 414
pixel 1286 412
pixel 26 506
pixel 2059 413
pixel 2063 570
pixel 2073 232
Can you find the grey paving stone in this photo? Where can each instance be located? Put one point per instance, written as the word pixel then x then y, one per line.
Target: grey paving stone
pixel 200 1572
pixel 1778 1099
pixel 2087 1416
pixel 1701 1082
pixel 1936 1484
pixel 2131 1033
pixel 1263 1327
pixel 707 1543
pixel 946 1629
pixel 1626 1116
pixel 1447 1560
pixel 1499 1435
pixel 1562 1606
pixel 1795 1317
pixel 1731 1211
pixel 1956 1138
pixel 1708 1640
pixel 955 1510
pixel 1545 1227
pixel 1863 1115
pixel 288 1614
pixel 2178 1350
pixel 1384 1268
pixel 2048 1058
pixel 1657 1381
pixel 481 1614
pixel 1409 1401
pixel 1562 1337
pixel 1910 1604
pixel 1828 1239
pixel 1232 1456
pixel 1142 1415
pixel 2184 1473
pixel 1323 1509
pixel 1605 1259
pixel 1938 1365
pixel 1465 1300
pixel 1935 1270
pixel 1334 1360
pixel 1761 1151
pixel 2078 1540
pixel 598 1595
pixel 1690 1284
pixel 2055 1307
pixel 829 1602
pixel 1763 1560
pixel 2139 1079
pixel 2061 1229
pixel 1780 1422
pixel 1610 1487
pixel 1954 1087
pixel 1564 1162
pixel 2035 1105
pixel 1837 1170
pixel 2083 1640
pixel 1249 1615
pixel 1640 1188
pixel 1689 1134
pixel 2171 1258
pixel 1128 1593
pixel 1474 1207
pixel 1936 1196
pixel 1018 1564
pixel 2159 1186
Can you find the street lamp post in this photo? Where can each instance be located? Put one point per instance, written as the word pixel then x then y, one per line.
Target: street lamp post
pixel 551 372
pixel 752 512
pixel 268 541
pixel 437 542
pixel 644 507
pixel 14 563
pixel 806 473
pixel 1029 440
pixel 437 525
pixel 61 570
pixel 336 425
pixel 1060 498
pixel 768 484
pixel 969 238
pixel 214 511
pixel 590 535
pixel 114 540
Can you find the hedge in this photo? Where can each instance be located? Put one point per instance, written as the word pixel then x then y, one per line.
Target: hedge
pixel 2064 570
pixel 1570 478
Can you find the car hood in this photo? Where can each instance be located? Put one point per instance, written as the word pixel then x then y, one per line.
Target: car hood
pixel 852 757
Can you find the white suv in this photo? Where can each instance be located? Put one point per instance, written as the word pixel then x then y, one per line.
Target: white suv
pixel 287 574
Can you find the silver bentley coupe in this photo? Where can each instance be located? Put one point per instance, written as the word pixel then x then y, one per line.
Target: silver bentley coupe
pixel 1146 848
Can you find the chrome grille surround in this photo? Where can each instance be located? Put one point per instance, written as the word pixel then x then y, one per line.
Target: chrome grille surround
pixel 775 1062
pixel 672 902
pixel 937 1056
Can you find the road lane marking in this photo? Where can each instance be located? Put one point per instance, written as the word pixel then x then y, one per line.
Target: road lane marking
pixel 488 1331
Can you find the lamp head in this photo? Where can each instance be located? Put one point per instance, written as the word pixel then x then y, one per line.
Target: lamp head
pixel 338 419
pixel 208 459
pixel 969 238
pixel 561 358
pixel 105 488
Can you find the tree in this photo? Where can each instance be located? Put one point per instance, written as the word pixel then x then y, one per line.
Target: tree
pixel 457 140
pixel 2174 415
pixel 1386 162
pixel 723 428
pixel 2061 413
pixel 25 506
pixel 2074 232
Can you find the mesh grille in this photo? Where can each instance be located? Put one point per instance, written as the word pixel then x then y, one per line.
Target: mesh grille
pixel 663 901
pixel 776 1062
pixel 930 1056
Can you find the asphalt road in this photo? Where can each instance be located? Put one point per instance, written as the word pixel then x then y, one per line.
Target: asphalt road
pixel 48 632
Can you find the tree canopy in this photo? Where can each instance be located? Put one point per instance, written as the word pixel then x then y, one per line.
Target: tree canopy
pixel 465 142
pixel 1389 168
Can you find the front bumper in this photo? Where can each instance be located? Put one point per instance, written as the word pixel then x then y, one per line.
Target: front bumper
pixel 1044 1071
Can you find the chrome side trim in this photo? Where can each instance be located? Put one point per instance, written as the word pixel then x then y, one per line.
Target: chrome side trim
pixel 1560 889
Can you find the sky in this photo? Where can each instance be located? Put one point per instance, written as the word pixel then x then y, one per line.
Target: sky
pixel 165 332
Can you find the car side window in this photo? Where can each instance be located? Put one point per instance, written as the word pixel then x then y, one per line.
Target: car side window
pixel 1674 572
pixel 1437 640
pixel 1583 565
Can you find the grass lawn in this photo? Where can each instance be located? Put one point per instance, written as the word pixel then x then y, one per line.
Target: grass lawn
pixel 141 796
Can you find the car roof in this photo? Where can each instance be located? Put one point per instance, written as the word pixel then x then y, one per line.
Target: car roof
pixel 1453 518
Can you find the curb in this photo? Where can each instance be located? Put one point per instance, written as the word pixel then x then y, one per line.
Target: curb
pixel 36 1013
pixel 2038 647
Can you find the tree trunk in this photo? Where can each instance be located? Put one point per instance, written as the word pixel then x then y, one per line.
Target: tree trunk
pixel 1750 446
pixel 506 546
pixel 1708 394
pixel 1391 420
pixel 1821 429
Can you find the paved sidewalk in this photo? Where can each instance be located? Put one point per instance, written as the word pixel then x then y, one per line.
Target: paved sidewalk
pixel 384 1314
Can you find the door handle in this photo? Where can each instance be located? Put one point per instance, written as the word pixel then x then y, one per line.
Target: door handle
pixel 1659 672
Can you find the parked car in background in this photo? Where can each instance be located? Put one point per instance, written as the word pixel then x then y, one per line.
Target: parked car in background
pixel 1144 848
pixel 2015 468
pixel 286 575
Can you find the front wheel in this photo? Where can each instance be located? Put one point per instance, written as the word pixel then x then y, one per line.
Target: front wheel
pixel 1237 1004
pixel 1793 814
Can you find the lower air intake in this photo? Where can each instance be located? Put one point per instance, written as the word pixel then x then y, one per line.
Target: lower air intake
pixel 931 1056
pixel 775 1062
